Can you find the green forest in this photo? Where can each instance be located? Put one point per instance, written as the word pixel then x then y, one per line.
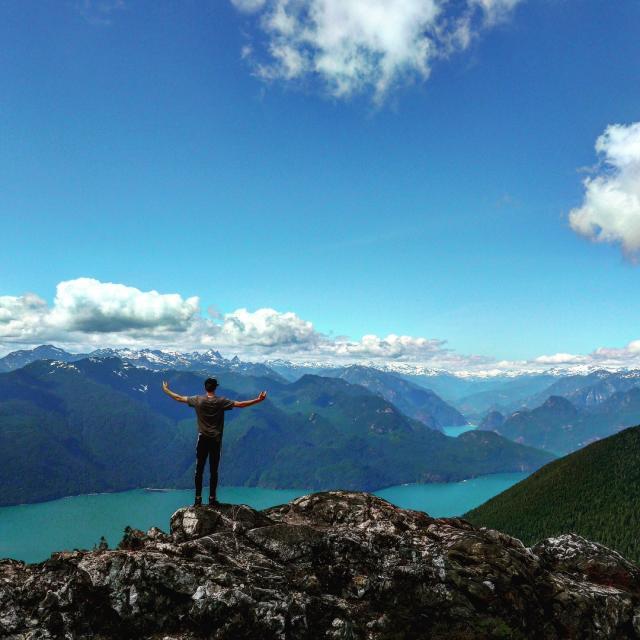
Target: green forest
pixel 103 425
pixel 592 492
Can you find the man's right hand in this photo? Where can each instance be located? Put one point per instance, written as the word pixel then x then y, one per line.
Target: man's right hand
pixel 262 396
pixel 171 394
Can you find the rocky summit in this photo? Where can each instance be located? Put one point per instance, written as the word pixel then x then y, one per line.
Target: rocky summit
pixel 333 564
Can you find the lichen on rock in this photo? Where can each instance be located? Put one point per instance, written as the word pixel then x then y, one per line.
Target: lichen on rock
pixel 333 564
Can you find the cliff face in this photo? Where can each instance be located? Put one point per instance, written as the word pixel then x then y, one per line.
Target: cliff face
pixel 328 565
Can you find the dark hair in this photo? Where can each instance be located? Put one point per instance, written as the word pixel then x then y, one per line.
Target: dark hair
pixel 210 384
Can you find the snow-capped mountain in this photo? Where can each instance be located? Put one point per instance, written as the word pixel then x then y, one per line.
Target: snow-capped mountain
pixel 157 359
pixel 210 360
pixel 23 357
pixel 197 360
pixel 296 368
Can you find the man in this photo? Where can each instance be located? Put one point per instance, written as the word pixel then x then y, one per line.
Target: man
pixel 210 410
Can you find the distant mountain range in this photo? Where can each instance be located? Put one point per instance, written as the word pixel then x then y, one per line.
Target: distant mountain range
pixel 596 409
pixel 528 392
pixel 18 359
pixel 560 426
pixel 589 390
pixel 592 492
pixel 103 424
pixel 570 413
pixel 470 394
pixel 503 395
pixel 210 361
pixel 413 400
pixel 449 387
pixel 154 359
pixel 422 371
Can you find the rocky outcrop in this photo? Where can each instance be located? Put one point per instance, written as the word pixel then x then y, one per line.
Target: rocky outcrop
pixel 328 565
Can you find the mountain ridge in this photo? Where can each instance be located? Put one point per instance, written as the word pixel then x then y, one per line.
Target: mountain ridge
pixel 413 400
pixel 318 433
pixel 590 492
pixel 559 426
pixel 413 371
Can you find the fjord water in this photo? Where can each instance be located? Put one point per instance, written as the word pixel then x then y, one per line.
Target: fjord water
pixel 456 431
pixel 31 532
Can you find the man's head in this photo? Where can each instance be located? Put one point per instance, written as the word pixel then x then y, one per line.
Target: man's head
pixel 210 385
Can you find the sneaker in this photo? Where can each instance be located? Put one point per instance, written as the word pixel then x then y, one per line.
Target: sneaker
pixel 198 501
pixel 213 501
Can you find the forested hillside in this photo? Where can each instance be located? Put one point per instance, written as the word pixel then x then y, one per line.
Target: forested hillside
pixel 561 427
pixel 413 400
pixel 592 492
pixel 105 425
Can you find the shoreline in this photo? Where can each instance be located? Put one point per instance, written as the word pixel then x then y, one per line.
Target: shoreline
pixel 236 487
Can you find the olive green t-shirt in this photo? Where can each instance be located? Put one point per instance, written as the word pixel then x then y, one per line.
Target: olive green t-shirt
pixel 210 411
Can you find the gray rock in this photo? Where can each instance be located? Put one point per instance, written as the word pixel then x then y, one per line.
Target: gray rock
pixel 333 564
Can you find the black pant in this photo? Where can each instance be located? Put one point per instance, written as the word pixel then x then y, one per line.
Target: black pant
pixel 208 446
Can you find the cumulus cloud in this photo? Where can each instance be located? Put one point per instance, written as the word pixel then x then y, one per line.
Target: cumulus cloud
pixel 21 316
pixel 611 358
pixel 364 45
pixel 265 328
pixel 627 354
pixel 84 308
pixel 610 211
pixel 89 305
pixel 87 313
pixel 562 358
pixel 391 347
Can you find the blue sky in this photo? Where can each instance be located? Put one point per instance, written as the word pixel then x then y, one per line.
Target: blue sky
pixel 161 146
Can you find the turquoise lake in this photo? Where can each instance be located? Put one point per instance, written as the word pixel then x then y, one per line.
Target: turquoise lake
pixel 31 532
pixel 454 432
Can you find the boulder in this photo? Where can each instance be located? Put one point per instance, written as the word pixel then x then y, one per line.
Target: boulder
pixel 334 564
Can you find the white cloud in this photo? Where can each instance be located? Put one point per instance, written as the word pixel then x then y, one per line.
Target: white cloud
pixel 21 317
pixel 391 347
pixel 627 357
pixel 610 211
pixel 85 309
pixel 266 328
pixel 248 5
pixel 626 354
pixel 496 10
pixel 364 45
pixel 562 358
pixel 89 305
pixel 88 314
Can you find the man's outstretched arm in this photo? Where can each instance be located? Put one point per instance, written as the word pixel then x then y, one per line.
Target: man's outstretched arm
pixel 171 394
pixel 248 403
